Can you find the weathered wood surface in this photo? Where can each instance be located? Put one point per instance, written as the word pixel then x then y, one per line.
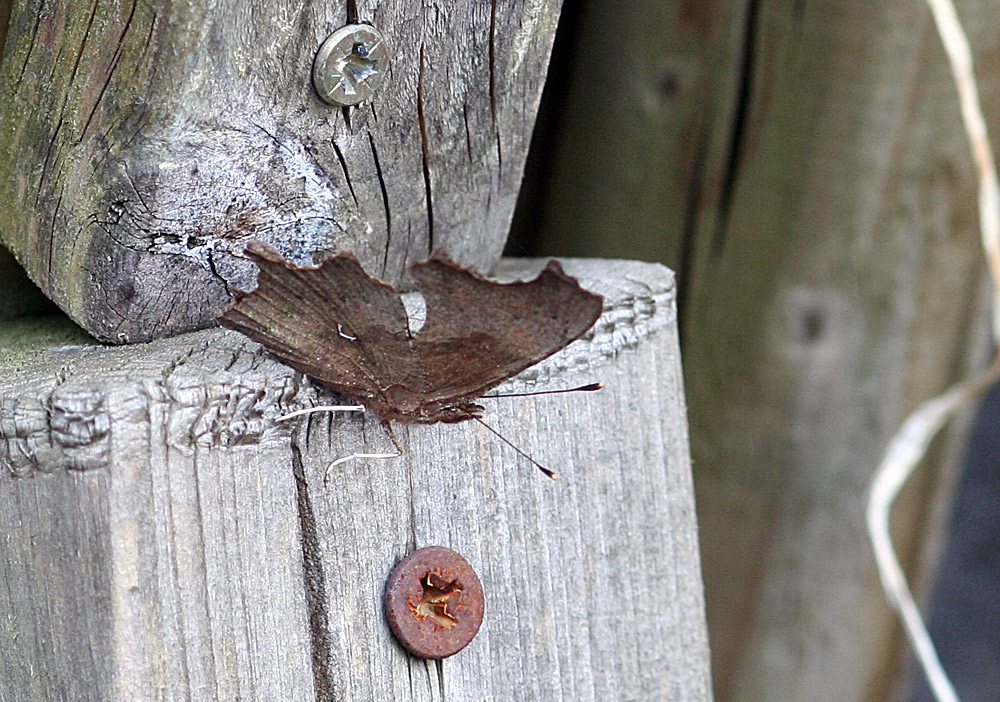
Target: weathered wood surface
pixel 162 538
pixel 802 167
pixel 144 143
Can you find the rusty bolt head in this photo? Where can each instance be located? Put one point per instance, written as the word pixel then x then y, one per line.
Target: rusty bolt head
pixel 434 602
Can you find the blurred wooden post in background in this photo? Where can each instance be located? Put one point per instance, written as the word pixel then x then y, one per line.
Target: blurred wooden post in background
pixel 802 166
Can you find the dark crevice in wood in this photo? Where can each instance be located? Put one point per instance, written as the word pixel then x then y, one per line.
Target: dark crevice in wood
pixel 409 677
pixel 352 12
pixel 412 541
pixel 275 139
pixel 439 664
pixel 409 236
pixel 426 152
pixel 152 28
pixel 737 141
pixel 493 85
pixel 215 271
pixel 468 132
pixel 343 166
pixel 493 62
pixel 214 655
pixel 52 235
pixel 185 682
pixel 50 246
pixel 499 157
pixel 689 227
pixel 31 45
pixel 385 204
pixel 140 122
pixel 346 111
pixel 79 57
pixel 314 580
pixel 115 60
pixel 45 164
pixel 534 200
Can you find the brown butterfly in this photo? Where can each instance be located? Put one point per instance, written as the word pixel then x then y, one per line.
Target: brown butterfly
pixel 349 331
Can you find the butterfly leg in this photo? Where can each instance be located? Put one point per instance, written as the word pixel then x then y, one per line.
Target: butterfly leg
pixel 392 436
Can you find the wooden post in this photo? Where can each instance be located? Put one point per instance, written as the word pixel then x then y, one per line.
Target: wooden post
pixel 161 537
pixel 804 168
pixel 145 143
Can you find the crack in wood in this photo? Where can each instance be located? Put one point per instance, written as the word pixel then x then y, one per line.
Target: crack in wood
pixel 343 166
pixel 31 45
pixel 79 58
pixel 385 203
pixel 52 233
pixel 425 149
pixel 115 60
pixel 737 141
pixel 42 177
pixel 689 224
pixel 314 581
pixel 210 255
pixel 468 132
pixel 439 664
pixel 493 61
pixel 493 86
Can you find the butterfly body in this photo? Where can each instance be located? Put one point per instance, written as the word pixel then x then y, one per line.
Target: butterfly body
pixel 350 332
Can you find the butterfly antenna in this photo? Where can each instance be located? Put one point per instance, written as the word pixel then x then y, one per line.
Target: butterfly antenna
pixel 504 439
pixel 583 388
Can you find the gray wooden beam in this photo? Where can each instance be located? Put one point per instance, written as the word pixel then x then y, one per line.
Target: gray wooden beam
pixel 145 143
pixel 161 537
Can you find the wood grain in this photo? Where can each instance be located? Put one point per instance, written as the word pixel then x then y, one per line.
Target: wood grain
pixel 161 537
pixel 145 143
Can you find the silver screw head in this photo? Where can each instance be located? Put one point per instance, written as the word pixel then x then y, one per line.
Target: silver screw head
pixel 350 65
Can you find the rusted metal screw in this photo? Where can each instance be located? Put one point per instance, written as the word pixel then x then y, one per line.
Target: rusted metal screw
pixel 434 602
pixel 350 65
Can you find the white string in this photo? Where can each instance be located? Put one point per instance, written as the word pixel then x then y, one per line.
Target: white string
pixel 908 446
pixel 338 408
pixel 320 408
pixel 956 46
pixel 345 459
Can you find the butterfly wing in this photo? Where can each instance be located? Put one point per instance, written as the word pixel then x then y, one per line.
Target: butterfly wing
pixel 479 333
pixel 333 322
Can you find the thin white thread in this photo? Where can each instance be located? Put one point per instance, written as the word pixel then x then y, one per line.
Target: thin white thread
pixel 956 46
pixel 320 408
pixel 338 408
pixel 905 450
pixel 908 446
pixel 345 459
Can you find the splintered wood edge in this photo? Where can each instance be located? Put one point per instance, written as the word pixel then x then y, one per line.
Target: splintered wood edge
pixel 62 395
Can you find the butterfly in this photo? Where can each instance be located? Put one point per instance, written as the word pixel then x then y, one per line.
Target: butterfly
pixel 350 332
